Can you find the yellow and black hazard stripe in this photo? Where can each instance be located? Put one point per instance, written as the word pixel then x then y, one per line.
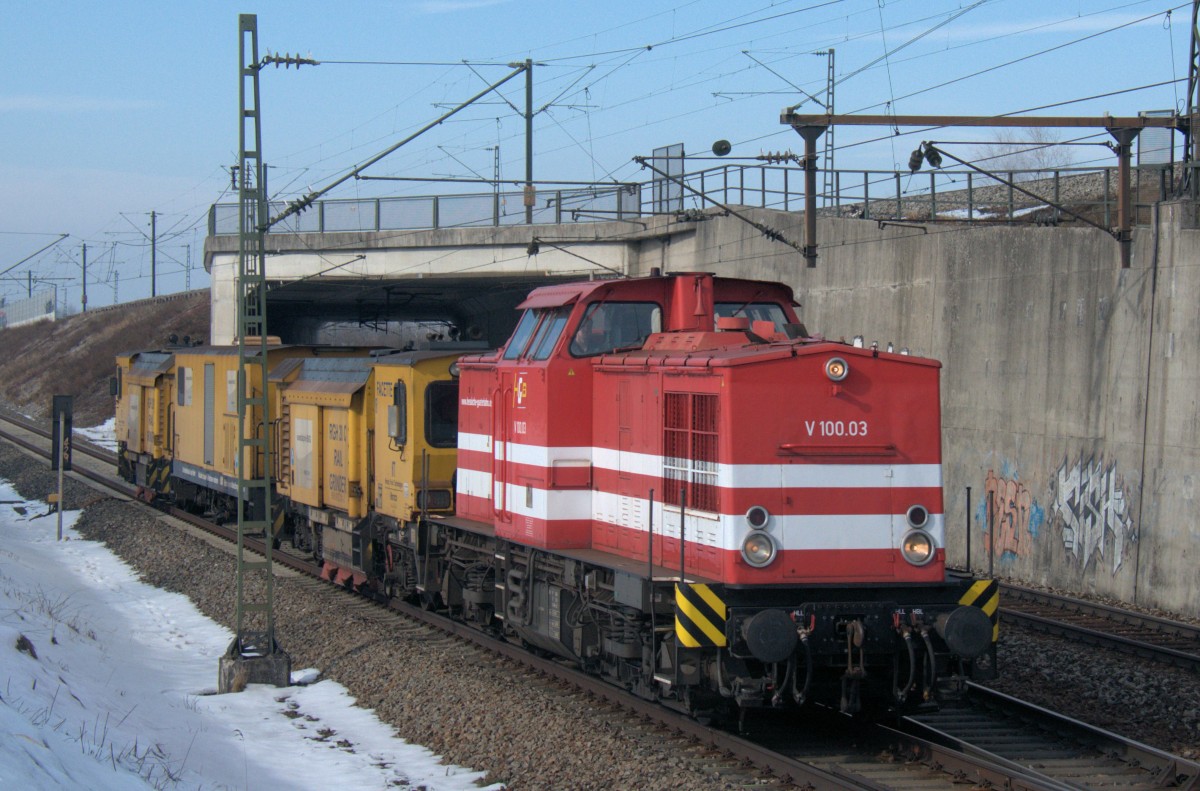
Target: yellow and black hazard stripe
pixel 277 516
pixel 985 594
pixel 699 616
pixel 160 475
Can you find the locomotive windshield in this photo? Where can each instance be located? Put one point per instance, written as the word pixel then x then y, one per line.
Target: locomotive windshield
pixel 537 333
pixel 755 311
pixel 608 326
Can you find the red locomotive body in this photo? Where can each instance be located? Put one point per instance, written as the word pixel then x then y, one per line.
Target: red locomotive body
pixel 803 475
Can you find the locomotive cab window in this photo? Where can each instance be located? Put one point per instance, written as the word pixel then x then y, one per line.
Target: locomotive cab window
pixel 520 337
pixel 609 326
pixel 441 414
pixel 754 311
pixel 549 333
pixel 537 333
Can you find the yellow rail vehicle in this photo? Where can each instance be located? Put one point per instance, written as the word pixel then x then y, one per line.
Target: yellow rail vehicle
pixel 177 423
pixel 143 388
pixel 365 446
pixel 415 463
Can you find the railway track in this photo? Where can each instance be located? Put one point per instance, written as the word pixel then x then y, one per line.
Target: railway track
pixel 1068 752
pixel 825 751
pixel 1091 623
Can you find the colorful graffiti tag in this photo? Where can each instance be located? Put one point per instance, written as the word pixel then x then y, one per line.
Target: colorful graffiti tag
pixel 1014 512
pixel 1090 501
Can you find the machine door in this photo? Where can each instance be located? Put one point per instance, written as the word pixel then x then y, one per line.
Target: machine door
pixel 502 472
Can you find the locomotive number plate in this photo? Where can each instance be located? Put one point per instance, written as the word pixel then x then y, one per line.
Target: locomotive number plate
pixel 836 428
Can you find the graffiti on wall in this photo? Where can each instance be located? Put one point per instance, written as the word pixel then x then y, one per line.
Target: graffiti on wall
pixel 1015 513
pixel 1090 500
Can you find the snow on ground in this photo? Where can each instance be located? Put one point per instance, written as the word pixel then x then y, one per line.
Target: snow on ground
pixel 102 435
pixel 108 683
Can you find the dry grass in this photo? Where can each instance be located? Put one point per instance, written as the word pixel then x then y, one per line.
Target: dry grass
pixel 75 356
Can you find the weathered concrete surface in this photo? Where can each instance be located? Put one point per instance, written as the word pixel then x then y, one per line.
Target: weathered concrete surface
pixel 1069 388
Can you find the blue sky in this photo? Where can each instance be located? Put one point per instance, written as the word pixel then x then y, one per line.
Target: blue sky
pixel 112 110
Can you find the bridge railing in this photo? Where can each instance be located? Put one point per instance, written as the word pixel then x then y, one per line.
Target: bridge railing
pixel 588 204
pixel 942 194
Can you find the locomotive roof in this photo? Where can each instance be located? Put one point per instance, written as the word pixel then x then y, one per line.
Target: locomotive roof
pixel 413 357
pixel 744 354
pixel 324 369
pixel 568 293
pixel 145 367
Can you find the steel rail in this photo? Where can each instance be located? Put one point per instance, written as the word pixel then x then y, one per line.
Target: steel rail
pixel 1066 749
pixel 1159 639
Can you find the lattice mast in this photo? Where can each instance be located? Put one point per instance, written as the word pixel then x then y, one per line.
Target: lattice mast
pixel 255 608
pixel 829 188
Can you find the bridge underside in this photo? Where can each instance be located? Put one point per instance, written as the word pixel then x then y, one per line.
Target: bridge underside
pixel 396 311
pixel 389 289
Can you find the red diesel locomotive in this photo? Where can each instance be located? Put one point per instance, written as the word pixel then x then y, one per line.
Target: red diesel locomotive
pixel 669 482
pixel 666 480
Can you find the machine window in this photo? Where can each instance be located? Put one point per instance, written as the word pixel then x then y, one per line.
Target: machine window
pixel 183 386
pixel 549 333
pixel 520 337
pixel 441 414
pixel 608 326
pixel 755 311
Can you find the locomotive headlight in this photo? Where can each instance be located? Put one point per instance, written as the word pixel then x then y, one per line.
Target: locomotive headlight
pixel 454 369
pixel 836 369
pixel 917 547
pixel 758 548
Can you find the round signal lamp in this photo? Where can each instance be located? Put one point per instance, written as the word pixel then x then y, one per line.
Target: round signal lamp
pixel 836 369
pixel 757 517
pixel 917 516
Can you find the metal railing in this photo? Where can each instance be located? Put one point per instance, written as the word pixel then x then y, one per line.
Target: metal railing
pixel 924 196
pixel 589 204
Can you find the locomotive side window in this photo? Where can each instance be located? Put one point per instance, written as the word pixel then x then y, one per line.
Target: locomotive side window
pixel 441 414
pixel 755 311
pixel 608 326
